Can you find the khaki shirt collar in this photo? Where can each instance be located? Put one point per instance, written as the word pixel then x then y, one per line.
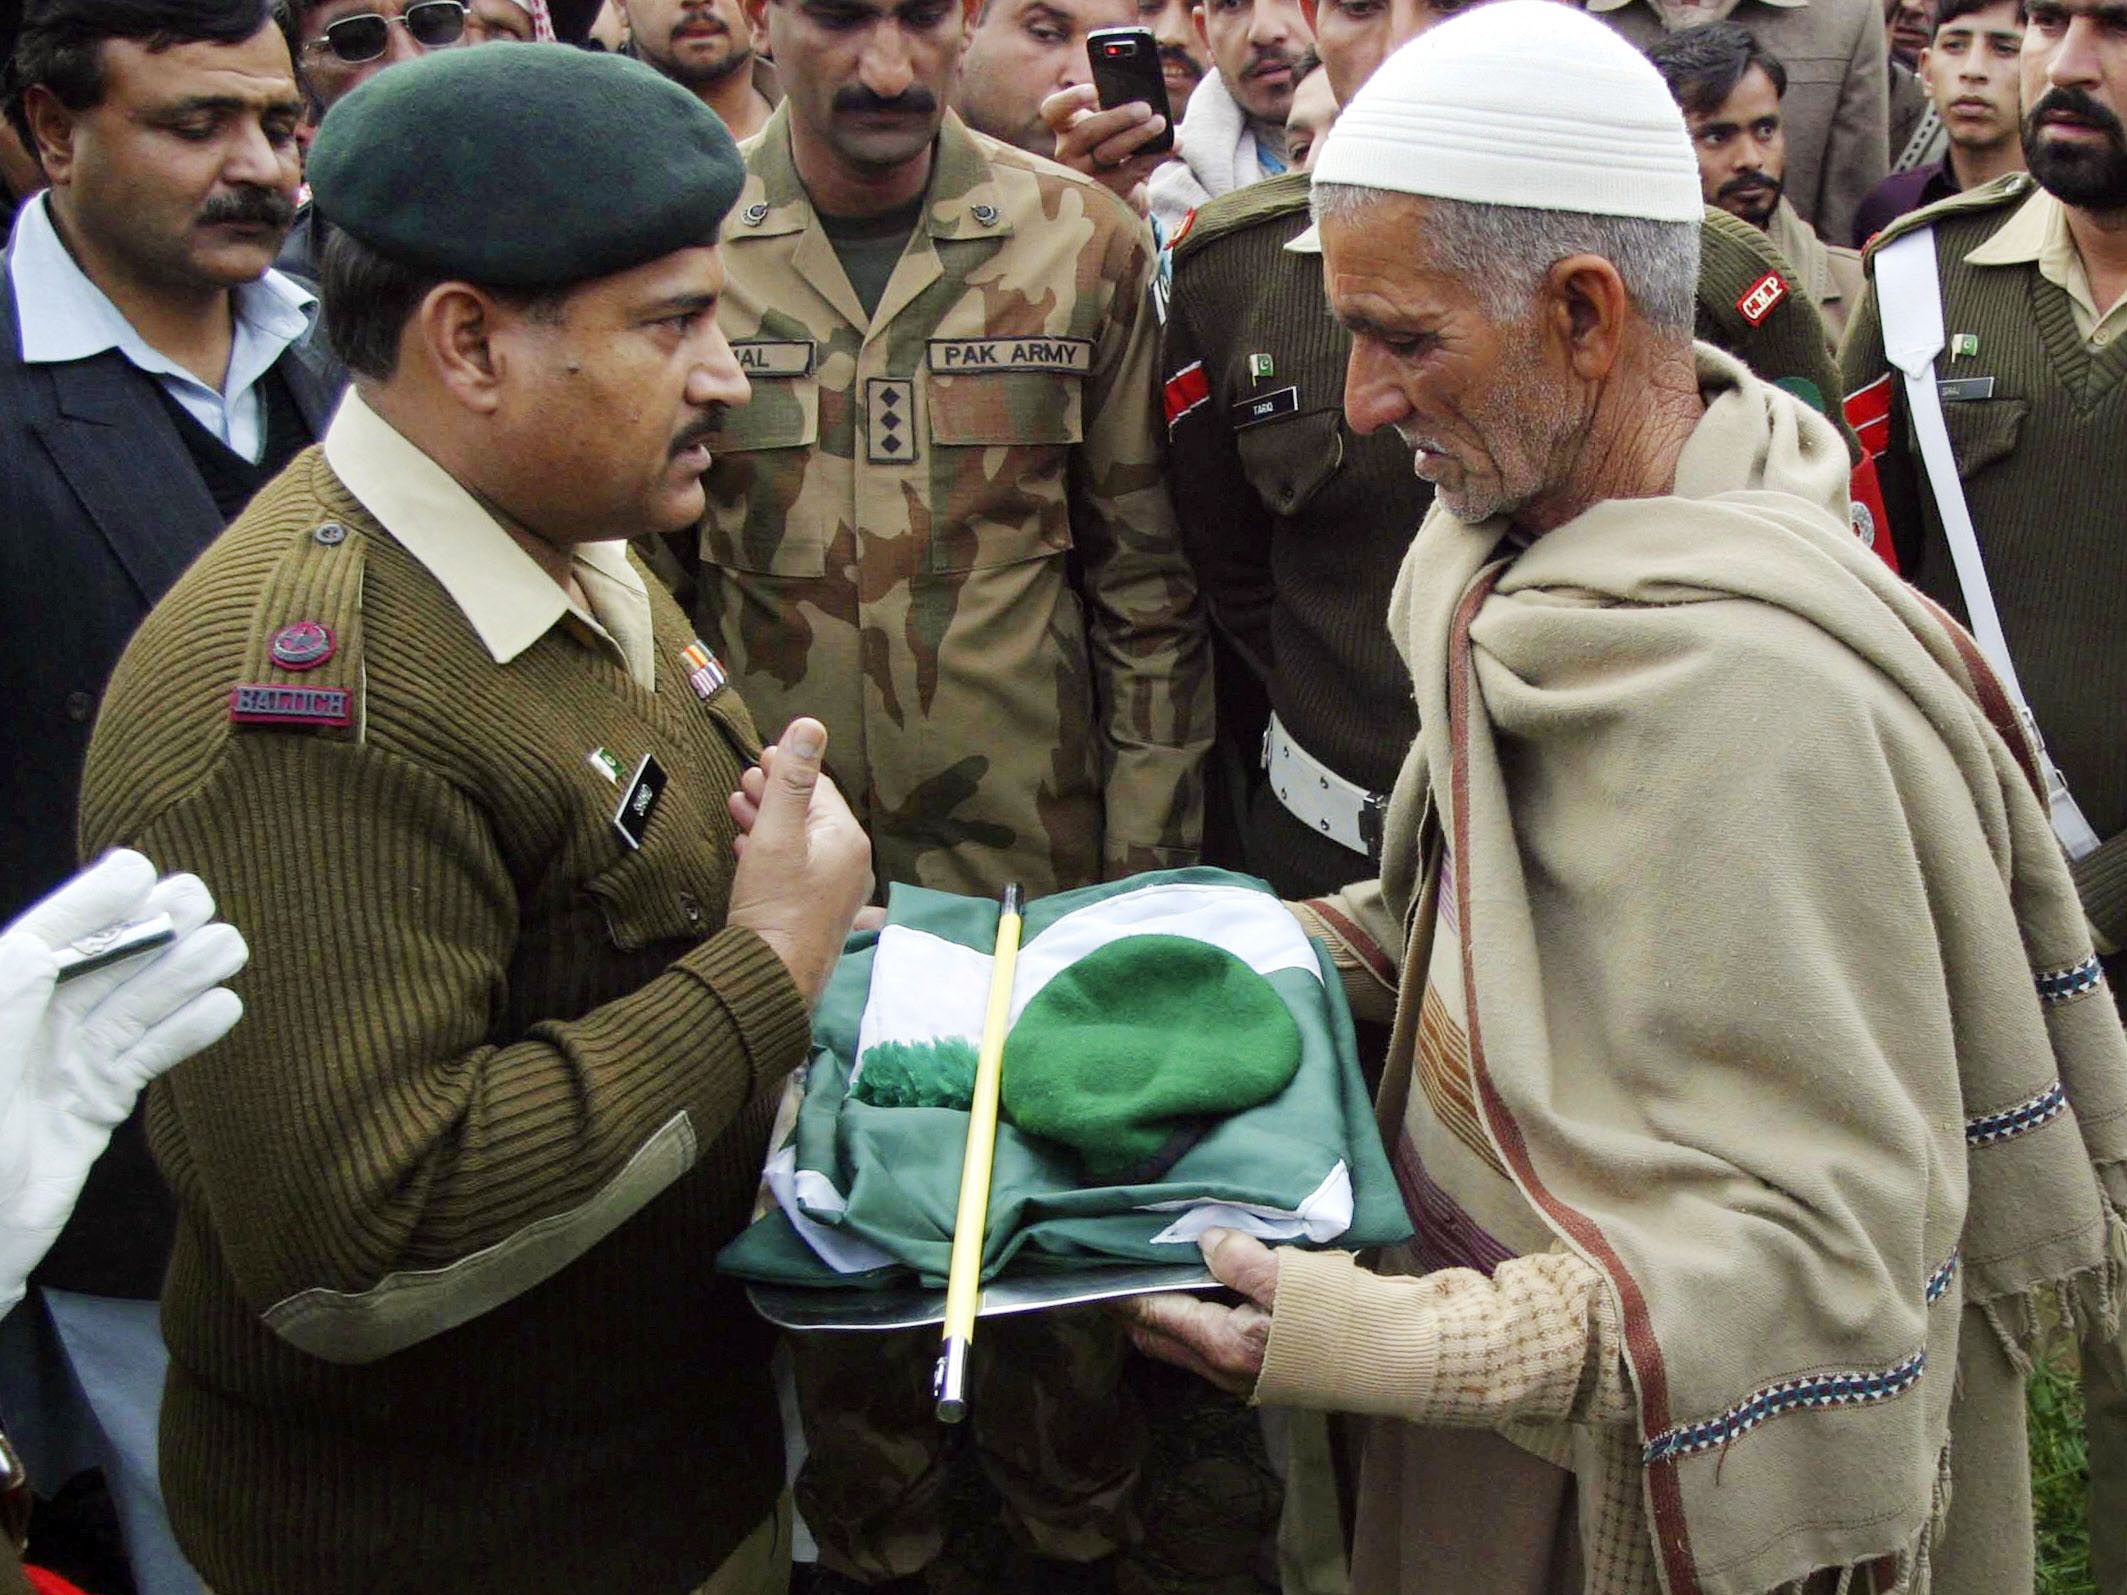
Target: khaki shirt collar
pixel 508 600
pixel 2038 235
pixel 965 199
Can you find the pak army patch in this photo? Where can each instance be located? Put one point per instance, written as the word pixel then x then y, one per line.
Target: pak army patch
pixel 1762 298
pixel 1073 356
pixel 889 420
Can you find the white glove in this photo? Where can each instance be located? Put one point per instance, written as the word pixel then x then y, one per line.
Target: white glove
pixel 73 1057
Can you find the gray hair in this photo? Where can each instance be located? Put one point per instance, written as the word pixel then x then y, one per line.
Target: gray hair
pixel 1503 251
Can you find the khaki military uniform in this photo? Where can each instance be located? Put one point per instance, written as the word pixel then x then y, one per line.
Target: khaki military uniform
pixel 942 529
pixel 1297 524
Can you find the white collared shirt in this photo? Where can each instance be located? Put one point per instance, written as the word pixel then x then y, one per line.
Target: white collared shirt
pixel 65 317
pixel 510 602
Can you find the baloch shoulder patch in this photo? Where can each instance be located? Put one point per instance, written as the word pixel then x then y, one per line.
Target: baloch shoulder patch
pixel 1182 231
pixel 1762 297
pixel 267 704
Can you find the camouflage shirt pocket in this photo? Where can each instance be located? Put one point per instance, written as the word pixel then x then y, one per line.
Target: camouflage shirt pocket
pixel 992 408
pixel 757 517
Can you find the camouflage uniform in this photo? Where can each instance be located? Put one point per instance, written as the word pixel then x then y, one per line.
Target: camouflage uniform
pixel 944 530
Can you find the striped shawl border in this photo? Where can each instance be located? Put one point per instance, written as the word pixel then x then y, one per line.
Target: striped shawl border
pixel 2057 986
pixel 1847 1388
pixel 1990 1129
pixel 1672 1533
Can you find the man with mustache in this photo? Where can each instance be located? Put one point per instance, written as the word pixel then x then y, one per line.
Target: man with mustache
pixel 154 373
pixel 2033 277
pixel 1838 87
pixel 706 47
pixel 1730 91
pixel 1972 75
pixel 443 1310
pixel 942 528
pixel 1233 133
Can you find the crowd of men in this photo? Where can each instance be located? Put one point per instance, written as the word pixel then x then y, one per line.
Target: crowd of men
pixel 1611 511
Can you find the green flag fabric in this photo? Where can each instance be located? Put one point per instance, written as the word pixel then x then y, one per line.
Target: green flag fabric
pixel 1182 1013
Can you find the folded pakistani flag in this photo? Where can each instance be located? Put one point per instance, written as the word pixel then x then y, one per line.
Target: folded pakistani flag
pixel 1179 1057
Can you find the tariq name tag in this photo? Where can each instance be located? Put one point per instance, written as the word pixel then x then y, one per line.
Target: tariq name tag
pixel 1073 356
pixel 1265 407
pixel 768 357
pixel 268 705
pixel 1954 390
pixel 638 801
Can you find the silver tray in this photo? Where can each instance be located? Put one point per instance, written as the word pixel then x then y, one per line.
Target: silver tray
pixel 913 1306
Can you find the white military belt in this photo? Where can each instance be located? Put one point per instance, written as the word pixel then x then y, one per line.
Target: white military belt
pixel 1319 798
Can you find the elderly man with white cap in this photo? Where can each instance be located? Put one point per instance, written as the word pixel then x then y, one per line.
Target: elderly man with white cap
pixel 1753 1074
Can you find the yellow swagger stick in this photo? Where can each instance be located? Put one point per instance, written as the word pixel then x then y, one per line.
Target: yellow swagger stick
pixel 963 1279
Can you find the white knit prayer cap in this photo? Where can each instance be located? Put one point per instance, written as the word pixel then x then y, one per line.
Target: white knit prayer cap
pixel 1531 103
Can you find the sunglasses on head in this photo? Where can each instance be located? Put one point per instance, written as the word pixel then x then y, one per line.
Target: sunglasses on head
pixel 365 37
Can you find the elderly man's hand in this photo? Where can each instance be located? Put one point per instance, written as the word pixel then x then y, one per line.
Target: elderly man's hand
pixel 804 862
pixel 1219 1343
pixel 1106 145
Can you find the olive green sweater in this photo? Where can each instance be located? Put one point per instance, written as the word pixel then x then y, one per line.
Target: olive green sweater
pixel 441 1314
pixel 2043 458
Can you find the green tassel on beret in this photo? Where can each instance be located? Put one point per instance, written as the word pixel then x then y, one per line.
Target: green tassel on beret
pixel 1130 1053
pixel 531 166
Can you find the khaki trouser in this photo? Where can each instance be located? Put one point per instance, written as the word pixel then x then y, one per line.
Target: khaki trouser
pixel 1056 1430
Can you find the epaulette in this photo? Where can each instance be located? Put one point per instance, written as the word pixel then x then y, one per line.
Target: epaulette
pixel 1748 304
pixel 302 667
pixel 2012 188
pixel 1272 199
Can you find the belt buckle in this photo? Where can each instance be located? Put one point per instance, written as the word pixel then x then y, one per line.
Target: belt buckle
pixel 1373 822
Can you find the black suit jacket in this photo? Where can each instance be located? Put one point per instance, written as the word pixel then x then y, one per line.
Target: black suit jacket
pixel 101 510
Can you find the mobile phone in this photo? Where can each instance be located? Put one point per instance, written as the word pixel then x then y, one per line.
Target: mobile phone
pixel 102 948
pixel 1126 69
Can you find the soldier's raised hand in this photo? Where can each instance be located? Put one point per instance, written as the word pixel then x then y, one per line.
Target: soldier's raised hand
pixel 804 862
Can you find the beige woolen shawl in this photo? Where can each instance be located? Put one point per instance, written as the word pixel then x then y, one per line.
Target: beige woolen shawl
pixel 1783 1013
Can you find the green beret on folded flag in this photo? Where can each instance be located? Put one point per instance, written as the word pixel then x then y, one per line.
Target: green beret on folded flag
pixel 533 167
pixel 1178 1056
pixel 1128 1052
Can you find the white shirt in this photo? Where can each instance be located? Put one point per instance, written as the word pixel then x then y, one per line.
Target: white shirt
pixel 66 317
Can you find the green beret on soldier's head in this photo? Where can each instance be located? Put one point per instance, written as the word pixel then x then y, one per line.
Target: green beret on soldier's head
pixel 524 168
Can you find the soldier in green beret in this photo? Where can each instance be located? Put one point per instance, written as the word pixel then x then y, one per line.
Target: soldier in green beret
pixel 442 1314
